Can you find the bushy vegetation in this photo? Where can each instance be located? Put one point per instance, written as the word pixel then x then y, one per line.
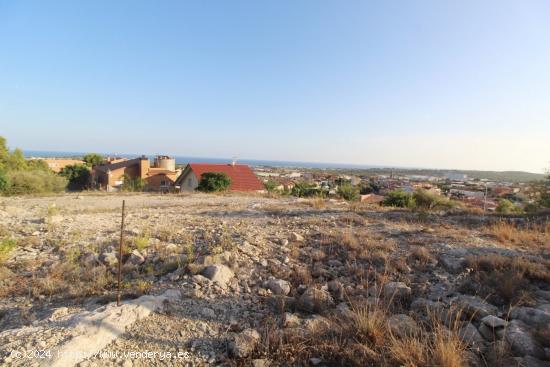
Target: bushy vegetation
pixel 400 199
pixel 348 192
pixel 308 190
pixel 6 246
pixel 34 182
pixel 427 200
pixel 505 206
pixel 214 182
pixel 133 184
pixel 78 176
pixel 422 200
pixel 4 183
pixel 369 188
pixel 544 200
pixel 19 176
pixel 270 185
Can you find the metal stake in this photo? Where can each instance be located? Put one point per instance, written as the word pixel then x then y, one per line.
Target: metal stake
pixel 120 255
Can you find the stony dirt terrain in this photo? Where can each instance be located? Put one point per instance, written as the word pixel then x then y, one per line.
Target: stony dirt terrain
pixel 251 280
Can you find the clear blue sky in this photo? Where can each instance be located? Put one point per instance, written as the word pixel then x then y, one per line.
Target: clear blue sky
pixel 447 84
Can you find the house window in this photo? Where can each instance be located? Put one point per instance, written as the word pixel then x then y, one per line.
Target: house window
pixel 162 183
pixel 189 182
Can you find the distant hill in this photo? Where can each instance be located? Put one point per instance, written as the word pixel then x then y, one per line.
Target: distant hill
pixel 504 176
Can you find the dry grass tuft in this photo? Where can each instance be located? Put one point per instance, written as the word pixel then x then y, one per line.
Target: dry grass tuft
pixel 362 337
pixel 448 349
pixel 317 203
pixel 535 236
pixel 504 280
pixel 421 255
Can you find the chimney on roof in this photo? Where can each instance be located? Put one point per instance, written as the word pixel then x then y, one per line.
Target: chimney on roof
pixel 234 161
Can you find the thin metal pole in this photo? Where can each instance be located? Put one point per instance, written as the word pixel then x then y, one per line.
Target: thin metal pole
pixel 120 254
pixel 485 200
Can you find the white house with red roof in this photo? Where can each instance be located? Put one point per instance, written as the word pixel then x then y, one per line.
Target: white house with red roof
pixel 242 177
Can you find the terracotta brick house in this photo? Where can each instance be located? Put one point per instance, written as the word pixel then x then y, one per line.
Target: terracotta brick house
pixel 160 177
pixel 242 177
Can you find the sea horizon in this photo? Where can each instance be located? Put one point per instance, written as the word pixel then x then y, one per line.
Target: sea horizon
pixel 181 160
pixel 189 159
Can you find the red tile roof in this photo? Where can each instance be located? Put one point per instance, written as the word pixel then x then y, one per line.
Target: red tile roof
pixel 242 177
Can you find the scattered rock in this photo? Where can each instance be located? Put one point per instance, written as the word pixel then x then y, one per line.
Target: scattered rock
pixel 471 336
pixel 296 237
pixel 291 320
pixel 260 363
pixel 278 286
pixel 244 343
pixel 336 289
pixel 315 300
pixel 402 325
pixel 521 340
pixel 218 273
pixel 474 307
pixel 110 259
pixel 530 316
pixel 397 291
pixel 136 258
pixel 494 322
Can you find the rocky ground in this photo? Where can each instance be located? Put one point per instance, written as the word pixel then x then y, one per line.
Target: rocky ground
pixel 251 280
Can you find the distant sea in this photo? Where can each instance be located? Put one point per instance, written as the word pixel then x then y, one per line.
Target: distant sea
pixel 185 160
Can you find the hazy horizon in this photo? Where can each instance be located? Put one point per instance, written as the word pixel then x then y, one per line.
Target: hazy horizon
pixel 431 84
pixel 247 160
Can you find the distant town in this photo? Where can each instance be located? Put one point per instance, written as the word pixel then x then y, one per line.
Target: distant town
pixel 477 189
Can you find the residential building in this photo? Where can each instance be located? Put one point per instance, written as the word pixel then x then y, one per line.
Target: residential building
pixel 160 177
pixel 242 177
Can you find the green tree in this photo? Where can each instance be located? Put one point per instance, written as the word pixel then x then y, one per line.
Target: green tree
pixel 349 192
pixel 399 198
pixel 78 176
pixel 92 159
pixel 4 153
pixel 370 187
pixel 16 161
pixel 214 182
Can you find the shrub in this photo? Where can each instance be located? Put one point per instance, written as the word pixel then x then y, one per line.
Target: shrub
pixel 4 183
pixel 78 176
pixel 348 191
pixel 141 242
pixel 133 183
pixel 427 200
pixel 21 176
pixel 399 198
pixel 505 206
pixel 536 236
pixel 6 246
pixel 270 185
pixel 304 189
pixel 214 182
pixel 30 182
pixel 544 199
